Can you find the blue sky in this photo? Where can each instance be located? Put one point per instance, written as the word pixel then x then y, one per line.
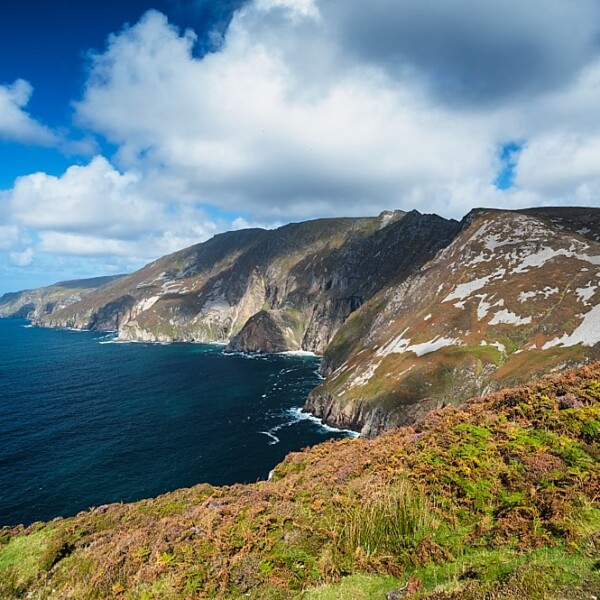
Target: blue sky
pixel 132 129
pixel 49 43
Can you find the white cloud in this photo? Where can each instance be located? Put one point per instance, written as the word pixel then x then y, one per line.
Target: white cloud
pixel 96 210
pixel 231 130
pixel 15 123
pixel 562 165
pixel 93 197
pixel 22 259
pixel 9 236
pixel 288 120
pixel 302 8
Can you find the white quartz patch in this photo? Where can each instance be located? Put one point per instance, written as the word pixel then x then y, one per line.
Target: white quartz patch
pixel 540 258
pixel 505 317
pixel 588 332
pixel 433 345
pixel 546 292
pixel 397 346
pixel 497 345
pixel 464 290
pixel 363 378
pixel 147 303
pixel 585 294
pixel 400 345
pixel 484 307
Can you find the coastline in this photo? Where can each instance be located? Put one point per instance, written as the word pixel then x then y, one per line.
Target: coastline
pixel 302 413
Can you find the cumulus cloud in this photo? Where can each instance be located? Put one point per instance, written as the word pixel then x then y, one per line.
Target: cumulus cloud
pixel 15 123
pixel 9 236
pixel 232 131
pixel 560 160
pixel 318 108
pixel 96 210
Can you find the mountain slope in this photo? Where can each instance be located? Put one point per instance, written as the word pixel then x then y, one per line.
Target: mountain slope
pixel 497 499
pixel 514 296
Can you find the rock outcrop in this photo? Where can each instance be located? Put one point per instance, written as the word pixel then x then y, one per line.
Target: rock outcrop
pixel 267 332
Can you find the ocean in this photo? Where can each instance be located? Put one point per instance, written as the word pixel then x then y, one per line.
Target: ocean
pixel 85 420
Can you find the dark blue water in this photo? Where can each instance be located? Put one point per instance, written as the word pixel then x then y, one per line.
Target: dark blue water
pixel 84 422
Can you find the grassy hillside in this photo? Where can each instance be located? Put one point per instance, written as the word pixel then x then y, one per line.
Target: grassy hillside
pixel 513 297
pixel 496 499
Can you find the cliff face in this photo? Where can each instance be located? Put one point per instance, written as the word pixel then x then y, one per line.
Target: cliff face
pixel 323 290
pixel 209 291
pixel 286 289
pixel 35 304
pixel 514 296
pixel 268 332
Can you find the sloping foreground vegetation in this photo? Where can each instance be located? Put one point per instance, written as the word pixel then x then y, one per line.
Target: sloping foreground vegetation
pixel 496 499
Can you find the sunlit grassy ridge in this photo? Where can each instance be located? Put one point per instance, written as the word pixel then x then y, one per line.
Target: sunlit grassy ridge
pixel 496 499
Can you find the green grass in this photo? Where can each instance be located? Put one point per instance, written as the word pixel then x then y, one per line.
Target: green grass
pixel 498 499
pixel 22 559
pixel 388 520
pixel 356 587
pixel 541 574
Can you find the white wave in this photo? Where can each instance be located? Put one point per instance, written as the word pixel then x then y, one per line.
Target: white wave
pixel 299 415
pixel 285 371
pixel 248 355
pixel 319 375
pixel 274 438
pixel 117 340
pixel 298 353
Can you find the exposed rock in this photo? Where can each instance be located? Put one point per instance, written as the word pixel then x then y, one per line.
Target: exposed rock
pixel 309 277
pixel 411 311
pixel 266 332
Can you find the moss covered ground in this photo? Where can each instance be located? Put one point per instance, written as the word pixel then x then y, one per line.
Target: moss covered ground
pixel 496 499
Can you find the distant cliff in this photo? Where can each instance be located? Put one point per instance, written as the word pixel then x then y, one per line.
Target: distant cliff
pixel 37 303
